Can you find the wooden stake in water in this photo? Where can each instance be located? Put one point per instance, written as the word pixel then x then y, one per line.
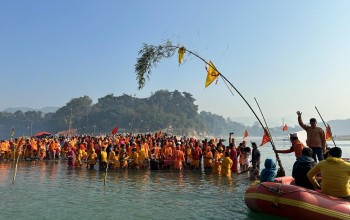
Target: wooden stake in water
pixel 14 176
pixel 104 180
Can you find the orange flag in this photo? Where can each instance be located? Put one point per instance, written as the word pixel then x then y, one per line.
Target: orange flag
pixel 245 134
pixel 12 131
pixel 266 138
pixel 212 74
pixel 285 127
pixel 114 131
pixel 328 132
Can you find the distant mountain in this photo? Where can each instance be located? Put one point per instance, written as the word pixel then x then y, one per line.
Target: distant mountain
pixel 26 109
pixel 340 127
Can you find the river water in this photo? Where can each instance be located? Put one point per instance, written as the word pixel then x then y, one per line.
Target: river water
pixel 51 190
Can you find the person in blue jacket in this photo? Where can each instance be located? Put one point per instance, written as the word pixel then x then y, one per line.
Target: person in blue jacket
pixel 268 174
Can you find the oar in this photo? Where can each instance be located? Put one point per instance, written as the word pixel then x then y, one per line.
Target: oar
pixel 280 171
pixel 325 125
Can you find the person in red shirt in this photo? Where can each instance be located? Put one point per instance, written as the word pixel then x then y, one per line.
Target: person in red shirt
pixel 196 156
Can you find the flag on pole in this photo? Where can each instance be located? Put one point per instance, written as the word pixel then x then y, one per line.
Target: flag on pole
pixel 114 131
pixel 12 131
pixel 285 127
pixel 266 138
pixel 245 134
pixel 328 132
pixel 211 75
pixel 181 51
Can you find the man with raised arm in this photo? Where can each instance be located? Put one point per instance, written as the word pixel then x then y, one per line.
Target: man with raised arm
pixel 316 139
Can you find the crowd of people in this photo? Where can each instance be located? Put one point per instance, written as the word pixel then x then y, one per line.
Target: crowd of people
pixel 134 151
pixel 160 151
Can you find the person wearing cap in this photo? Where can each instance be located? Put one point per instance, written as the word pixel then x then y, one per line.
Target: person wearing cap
pixel 297 146
pixel 335 174
pixel 316 138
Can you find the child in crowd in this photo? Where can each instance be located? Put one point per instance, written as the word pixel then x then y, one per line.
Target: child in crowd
pixel 253 171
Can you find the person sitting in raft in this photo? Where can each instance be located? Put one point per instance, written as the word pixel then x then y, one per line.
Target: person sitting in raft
pixel 302 166
pixel 268 174
pixel 297 146
pixel 335 174
pixel 253 171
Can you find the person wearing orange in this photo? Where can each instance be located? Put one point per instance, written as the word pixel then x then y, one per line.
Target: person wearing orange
pixel 217 161
pixel 79 162
pixel 116 162
pixel 134 159
pixel 142 155
pixel 196 156
pixel 42 150
pixel 103 158
pixel 52 147
pixel 179 157
pixel 5 149
pixel 226 165
pixel 234 157
pixel 188 156
pixel 123 157
pixel 208 159
pixel 91 158
pixel 71 157
pixel 111 158
pixel 297 146
pixel 168 155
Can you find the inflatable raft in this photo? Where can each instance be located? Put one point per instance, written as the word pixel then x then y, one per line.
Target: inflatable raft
pixel 282 198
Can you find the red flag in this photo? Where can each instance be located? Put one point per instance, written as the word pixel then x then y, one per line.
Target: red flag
pixel 114 131
pixel 245 134
pixel 285 127
pixel 266 138
pixel 328 132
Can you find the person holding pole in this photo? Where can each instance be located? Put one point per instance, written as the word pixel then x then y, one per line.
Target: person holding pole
pixel 316 139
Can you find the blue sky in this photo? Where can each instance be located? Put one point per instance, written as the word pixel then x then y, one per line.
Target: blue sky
pixel 290 55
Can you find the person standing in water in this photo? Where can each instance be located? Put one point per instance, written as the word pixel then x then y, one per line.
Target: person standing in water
pixel 316 138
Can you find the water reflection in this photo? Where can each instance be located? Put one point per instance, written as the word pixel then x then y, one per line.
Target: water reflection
pixel 127 194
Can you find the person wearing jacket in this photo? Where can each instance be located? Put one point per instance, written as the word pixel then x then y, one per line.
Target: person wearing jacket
pixel 335 174
pixel 301 167
pixel 268 174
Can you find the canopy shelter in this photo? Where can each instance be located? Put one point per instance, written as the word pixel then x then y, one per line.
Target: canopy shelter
pixel 42 134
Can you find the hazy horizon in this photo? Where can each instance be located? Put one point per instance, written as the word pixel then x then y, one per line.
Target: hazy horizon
pixel 289 55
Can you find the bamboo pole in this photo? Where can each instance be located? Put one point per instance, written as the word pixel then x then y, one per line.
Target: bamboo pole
pixel 281 171
pixel 325 125
pixel 15 174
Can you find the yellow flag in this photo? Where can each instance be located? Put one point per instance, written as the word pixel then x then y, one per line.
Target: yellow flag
pixel 181 51
pixel 212 74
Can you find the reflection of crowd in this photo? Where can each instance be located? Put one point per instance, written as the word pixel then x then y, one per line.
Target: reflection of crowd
pixel 131 151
